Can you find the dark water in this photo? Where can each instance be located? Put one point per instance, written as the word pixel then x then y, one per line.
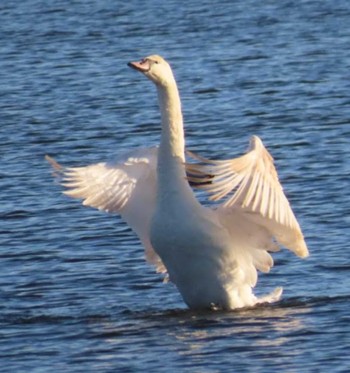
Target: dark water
pixel 75 292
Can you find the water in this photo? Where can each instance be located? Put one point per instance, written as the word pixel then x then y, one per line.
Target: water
pixel 75 292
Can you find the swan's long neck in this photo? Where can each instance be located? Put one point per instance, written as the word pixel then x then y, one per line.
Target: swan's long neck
pixel 172 183
pixel 172 144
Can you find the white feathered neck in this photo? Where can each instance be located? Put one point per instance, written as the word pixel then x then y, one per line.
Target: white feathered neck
pixel 173 190
pixel 172 142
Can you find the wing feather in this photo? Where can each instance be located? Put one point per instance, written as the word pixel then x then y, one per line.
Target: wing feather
pixel 251 183
pixel 126 186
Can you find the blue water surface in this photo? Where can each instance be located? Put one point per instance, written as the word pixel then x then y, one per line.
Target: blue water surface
pixel 75 292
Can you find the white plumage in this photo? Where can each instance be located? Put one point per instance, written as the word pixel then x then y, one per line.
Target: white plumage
pixel 211 255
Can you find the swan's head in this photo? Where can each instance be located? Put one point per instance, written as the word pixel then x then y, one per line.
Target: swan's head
pixel 156 69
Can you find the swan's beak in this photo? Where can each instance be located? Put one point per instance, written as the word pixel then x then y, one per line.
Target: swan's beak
pixel 142 66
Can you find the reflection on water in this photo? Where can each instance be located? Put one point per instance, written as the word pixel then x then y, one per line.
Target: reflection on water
pixel 253 324
pixel 272 332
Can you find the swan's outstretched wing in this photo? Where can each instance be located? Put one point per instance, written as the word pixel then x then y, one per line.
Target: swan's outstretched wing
pixel 126 186
pixel 251 185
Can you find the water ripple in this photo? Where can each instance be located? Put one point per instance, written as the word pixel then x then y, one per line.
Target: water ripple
pixel 75 292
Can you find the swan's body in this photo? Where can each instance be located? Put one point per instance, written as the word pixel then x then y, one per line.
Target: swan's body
pixel 211 255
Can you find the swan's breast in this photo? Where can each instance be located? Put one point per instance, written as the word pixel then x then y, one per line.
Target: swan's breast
pixel 195 251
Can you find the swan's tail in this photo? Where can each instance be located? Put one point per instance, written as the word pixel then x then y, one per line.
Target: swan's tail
pixel 272 297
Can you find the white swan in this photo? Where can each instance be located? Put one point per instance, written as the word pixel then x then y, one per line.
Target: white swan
pixel 211 255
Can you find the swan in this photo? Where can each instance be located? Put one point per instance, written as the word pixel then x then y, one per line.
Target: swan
pixel 211 254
